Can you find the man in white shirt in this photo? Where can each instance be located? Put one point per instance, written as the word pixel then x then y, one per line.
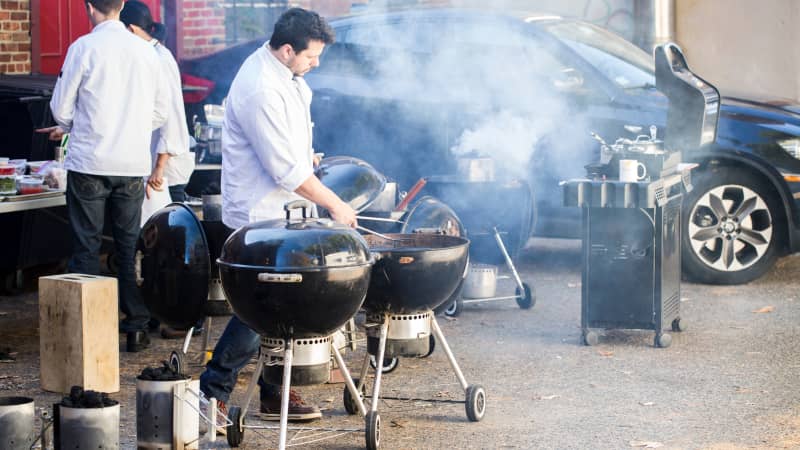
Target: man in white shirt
pixel 267 160
pixel 108 98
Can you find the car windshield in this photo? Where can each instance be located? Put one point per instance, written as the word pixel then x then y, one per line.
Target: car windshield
pixel 620 61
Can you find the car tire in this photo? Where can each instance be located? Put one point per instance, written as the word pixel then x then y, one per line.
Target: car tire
pixel 720 246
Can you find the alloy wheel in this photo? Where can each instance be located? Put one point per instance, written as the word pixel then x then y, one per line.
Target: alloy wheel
pixel 730 228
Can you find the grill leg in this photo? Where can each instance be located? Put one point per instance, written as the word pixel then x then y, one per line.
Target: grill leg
pixel 355 392
pixel 440 337
pixel 376 387
pixel 509 262
pixel 285 388
pixel 362 375
pixel 206 339
pixel 251 388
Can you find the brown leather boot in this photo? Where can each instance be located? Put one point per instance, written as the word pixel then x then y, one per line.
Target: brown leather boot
pixel 298 410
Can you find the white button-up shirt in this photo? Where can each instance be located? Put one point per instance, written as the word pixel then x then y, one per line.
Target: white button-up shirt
pixel 107 96
pixel 173 136
pixel 266 140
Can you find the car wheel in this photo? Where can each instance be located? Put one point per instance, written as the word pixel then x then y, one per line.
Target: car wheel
pixel 733 228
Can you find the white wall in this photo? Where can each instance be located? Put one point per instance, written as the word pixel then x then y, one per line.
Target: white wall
pixel 750 46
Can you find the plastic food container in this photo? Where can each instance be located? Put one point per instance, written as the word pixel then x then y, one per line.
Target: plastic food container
pixel 30 185
pixel 8 180
pixel 19 165
pixel 36 165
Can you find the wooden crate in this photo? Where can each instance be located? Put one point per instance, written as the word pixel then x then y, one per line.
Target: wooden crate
pixel 78 333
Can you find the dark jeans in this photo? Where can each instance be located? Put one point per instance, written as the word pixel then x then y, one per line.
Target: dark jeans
pixel 235 348
pixel 178 193
pixel 88 196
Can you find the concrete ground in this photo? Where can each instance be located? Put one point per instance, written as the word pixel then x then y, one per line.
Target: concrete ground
pixel 729 382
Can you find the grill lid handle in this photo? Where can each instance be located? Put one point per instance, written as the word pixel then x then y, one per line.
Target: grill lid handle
pixel 297 204
pixel 268 277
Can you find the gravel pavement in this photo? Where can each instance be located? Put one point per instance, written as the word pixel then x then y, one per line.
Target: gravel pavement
pixel 729 382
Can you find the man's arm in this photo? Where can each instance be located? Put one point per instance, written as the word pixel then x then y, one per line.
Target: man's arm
pixel 161 108
pixel 312 189
pixel 65 93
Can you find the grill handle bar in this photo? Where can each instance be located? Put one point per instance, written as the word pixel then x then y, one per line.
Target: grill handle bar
pixel 297 204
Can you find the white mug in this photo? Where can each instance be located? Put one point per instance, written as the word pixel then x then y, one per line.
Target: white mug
pixel 629 170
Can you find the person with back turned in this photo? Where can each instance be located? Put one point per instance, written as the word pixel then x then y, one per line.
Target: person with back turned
pixel 109 99
pixel 267 161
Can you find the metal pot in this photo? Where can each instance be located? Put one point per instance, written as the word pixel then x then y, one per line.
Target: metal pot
pixel 295 278
pixel 415 272
pixel 386 200
pixel 481 281
pixel 476 169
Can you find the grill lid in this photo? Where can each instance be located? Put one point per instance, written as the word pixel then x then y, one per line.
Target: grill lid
pixel 355 181
pixel 295 243
pixel 173 266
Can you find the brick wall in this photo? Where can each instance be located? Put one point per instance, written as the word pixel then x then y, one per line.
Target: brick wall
pixel 203 24
pixel 15 39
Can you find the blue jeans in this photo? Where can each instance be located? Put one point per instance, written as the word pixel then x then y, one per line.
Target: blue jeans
pixel 235 348
pixel 88 196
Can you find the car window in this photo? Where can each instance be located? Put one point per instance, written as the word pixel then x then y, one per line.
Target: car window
pixel 619 60
pixel 390 35
pixel 456 54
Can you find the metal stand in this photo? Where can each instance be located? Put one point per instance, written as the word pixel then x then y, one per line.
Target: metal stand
pixel 475 394
pixel 235 431
pixel 524 295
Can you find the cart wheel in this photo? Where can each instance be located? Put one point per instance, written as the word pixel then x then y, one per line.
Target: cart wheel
pixel 590 338
pixel 389 364
pixel 475 402
pixel 663 340
pixel 678 325
pixel 235 430
pixel 176 362
pixel 431 346
pixel 529 299
pixel 350 404
pixel 373 430
pixel 454 309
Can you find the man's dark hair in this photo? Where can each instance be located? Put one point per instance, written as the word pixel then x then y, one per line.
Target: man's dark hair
pixel 106 6
pixel 297 26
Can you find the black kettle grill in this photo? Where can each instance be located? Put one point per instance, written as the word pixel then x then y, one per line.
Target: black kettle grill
pixel 413 274
pixel 295 278
pixel 294 281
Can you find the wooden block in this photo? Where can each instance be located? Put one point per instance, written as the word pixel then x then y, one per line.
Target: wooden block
pixel 78 333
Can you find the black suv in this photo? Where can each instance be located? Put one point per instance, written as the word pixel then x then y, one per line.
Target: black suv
pixel 408 91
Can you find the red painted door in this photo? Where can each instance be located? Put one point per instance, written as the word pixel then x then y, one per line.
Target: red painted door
pixel 59 23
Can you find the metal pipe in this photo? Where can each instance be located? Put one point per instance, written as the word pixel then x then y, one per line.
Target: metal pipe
pixel 663 21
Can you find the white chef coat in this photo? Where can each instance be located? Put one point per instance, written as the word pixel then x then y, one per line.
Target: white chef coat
pixel 173 136
pixel 266 140
pixel 108 98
